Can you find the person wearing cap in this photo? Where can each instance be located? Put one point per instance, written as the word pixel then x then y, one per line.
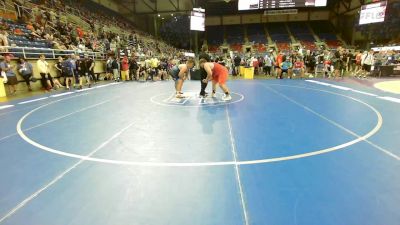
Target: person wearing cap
pixel 8 69
pixel 44 71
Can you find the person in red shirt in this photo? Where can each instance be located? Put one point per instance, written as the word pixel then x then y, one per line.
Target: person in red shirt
pixel 358 68
pixel 18 31
pixel 299 68
pixel 125 68
pixel 80 32
pixel 218 74
pixel 278 61
pixel 327 66
pixel 254 63
pixel 30 27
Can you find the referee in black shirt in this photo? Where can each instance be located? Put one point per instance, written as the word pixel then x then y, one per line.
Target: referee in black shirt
pixel 203 73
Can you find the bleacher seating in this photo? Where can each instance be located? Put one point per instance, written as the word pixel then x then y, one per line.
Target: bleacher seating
pixel 256 33
pixel 260 47
pixel 215 35
pixel 333 43
pixel 283 46
pixel 300 31
pixel 302 34
pixel 234 34
pixel 324 30
pixel 236 47
pixel 278 33
pixel 24 39
pixel 327 36
pixel 213 48
pixel 309 45
pixel 42 33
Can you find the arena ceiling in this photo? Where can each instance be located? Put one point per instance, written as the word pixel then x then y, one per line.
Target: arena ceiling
pixel 141 7
pixel 150 7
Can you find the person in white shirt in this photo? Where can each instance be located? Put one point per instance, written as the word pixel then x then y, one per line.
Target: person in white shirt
pixel 228 63
pixel 367 61
pixel 254 63
pixel 44 71
pixel 268 62
pixel 113 46
pixel 81 47
pixel 4 41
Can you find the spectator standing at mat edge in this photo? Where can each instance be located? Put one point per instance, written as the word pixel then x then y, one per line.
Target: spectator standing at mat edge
pixel 115 69
pixel 90 65
pixel 86 68
pixel 79 72
pixel 367 61
pixel 125 68
pixel 268 61
pixel 69 66
pixel 60 69
pixel 237 60
pixel 133 67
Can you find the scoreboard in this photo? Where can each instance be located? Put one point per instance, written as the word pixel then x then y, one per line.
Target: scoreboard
pixel 373 13
pixel 275 4
pixel 197 19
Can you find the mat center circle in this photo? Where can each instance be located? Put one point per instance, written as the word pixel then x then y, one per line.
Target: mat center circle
pixel 193 99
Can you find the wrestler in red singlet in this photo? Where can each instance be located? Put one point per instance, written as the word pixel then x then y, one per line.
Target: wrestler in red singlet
pixel 219 73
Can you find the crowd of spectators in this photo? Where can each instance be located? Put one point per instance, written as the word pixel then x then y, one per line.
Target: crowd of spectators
pixel 48 21
pixel 135 55
pixel 326 63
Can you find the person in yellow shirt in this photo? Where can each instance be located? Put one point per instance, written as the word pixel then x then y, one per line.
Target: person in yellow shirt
pixel 154 63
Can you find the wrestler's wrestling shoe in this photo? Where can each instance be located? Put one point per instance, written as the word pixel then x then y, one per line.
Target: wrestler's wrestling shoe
pixel 226 98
